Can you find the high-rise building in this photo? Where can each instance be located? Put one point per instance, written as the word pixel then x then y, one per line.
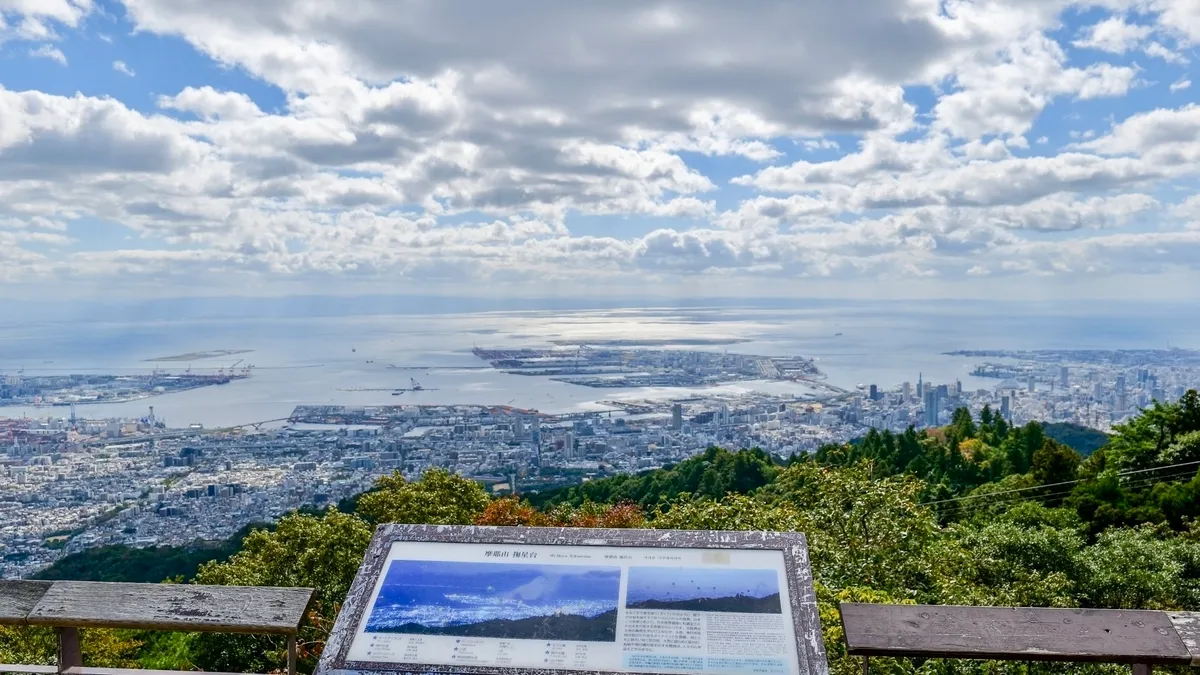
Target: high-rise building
pixel 1032 384
pixel 1006 407
pixel 677 416
pixel 1120 385
pixel 920 384
pixel 1063 374
pixel 1098 391
pixel 931 408
pixel 958 387
pixel 874 393
pixel 906 389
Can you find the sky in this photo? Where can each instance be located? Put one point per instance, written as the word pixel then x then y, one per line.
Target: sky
pixel 690 583
pixel 899 149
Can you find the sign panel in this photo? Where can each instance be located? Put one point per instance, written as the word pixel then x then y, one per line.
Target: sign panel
pixel 506 600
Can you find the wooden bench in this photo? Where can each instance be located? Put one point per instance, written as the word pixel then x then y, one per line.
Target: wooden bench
pixel 1141 638
pixel 70 605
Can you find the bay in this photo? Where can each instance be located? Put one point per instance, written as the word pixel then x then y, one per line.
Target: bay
pixel 321 360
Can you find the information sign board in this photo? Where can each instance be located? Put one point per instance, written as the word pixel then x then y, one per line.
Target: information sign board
pixel 507 600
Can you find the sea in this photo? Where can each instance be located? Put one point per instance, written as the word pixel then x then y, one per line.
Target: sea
pixel 330 352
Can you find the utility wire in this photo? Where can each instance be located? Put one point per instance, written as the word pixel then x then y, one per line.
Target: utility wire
pixel 1141 482
pixel 967 508
pixel 1066 482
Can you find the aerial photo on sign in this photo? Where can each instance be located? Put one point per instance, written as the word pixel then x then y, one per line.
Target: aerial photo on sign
pixel 704 589
pixel 498 600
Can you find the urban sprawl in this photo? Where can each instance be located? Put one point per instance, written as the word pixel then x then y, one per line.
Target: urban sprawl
pixel 69 482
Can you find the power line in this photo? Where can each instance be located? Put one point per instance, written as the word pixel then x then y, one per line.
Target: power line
pixel 1056 484
pixel 1141 482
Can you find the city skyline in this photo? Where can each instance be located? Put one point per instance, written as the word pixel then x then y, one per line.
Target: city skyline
pixel 904 148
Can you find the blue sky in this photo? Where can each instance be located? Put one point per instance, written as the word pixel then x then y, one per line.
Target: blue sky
pixel 690 583
pixel 906 148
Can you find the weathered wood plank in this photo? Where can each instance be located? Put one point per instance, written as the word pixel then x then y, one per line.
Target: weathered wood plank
pixel 70 651
pixel 1187 625
pixel 1025 633
pixel 231 609
pixel 15 668
pixel 17 598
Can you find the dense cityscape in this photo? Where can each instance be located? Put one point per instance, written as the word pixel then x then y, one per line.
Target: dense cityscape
pixel 70 482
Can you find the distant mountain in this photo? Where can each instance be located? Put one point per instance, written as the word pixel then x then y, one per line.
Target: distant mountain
pixel 144 565
pixel 1084 440
pixel 738 603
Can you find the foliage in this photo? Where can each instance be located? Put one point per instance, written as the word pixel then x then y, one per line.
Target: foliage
pixel 39 646
pixel 512 511
pixel 439 498
pixel 1054 463
pixel 863 531
pixel 1084 440
pixel 714 473
pixel 323 553
pixel 139 565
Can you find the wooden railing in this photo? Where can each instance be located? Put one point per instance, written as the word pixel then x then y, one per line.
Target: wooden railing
pixel 1141 638
pixel 68 606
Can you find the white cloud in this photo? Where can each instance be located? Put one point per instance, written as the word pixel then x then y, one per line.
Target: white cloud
pixel 464 142
pixel 49 52
pixel 120 67
pixel 37 19
pixel 1180 84
pixel 1006 94
pixel 1158 51
pixel 210 104
pixel 1114 35
pixel 1174 131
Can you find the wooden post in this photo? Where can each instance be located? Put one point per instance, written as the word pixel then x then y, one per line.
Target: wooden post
pixel 292 656
pixel 69 653
pixel 866 664
pixel 1141 669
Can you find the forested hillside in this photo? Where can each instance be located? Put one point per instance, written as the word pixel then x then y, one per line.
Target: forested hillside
pixel 977 512
pixel 144 565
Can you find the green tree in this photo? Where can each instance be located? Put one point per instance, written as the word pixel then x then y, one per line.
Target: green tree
pixel 1136 569
pixel 714 473
pixel 862 531
pixel 323 553
pixel 1054 463
pixel 439 498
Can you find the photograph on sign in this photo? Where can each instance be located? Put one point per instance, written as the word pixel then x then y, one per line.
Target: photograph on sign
pixel 615 609
pixel 704 589
pixel 526 601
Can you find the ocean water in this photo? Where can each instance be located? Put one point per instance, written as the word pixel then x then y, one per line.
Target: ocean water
pixel 322 360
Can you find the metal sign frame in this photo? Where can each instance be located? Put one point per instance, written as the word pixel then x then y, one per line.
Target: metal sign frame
pixel 810 649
